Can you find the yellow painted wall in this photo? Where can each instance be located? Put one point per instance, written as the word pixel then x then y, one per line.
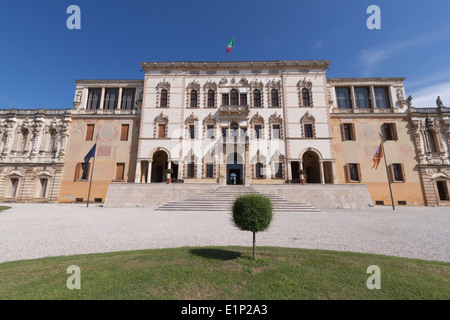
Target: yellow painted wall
pixel 110 151
pixel 363 149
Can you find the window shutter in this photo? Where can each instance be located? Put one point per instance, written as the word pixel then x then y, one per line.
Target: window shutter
pixel 394 131
pixel 352 126
pixel 342 132
pixel 347 172
pixel 124 132
pixel 77 172
pixel 359 172
pixel 161 131
pixel 90 132
pixel 391 172
pixel 403 172
pixel 120 170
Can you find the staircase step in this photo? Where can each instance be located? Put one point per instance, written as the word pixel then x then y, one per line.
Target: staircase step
pixel 223 198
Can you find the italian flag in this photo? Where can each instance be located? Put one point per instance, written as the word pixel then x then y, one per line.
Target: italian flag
pixel 230 45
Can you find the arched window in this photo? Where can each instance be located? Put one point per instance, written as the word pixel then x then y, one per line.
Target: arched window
pixel 274 93
pixel 305 98
pixel 431 141
pixel 194 99
pixel 163 102
pixel 234 97
pixel 257 98
pixel 211 98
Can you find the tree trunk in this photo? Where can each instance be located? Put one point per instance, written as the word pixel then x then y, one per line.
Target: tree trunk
pixel 254 245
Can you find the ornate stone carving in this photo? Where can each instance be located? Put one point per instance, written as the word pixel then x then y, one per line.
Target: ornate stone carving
pixel 223 81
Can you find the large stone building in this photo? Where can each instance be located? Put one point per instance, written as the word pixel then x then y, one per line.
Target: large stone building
pixel 33 152
pixel 235 122
pixel 265 124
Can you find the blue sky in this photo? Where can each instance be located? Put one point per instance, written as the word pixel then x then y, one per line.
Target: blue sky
pixel 40 58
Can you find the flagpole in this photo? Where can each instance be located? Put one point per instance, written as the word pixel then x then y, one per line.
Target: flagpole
pixel 387 172
pixel 92 173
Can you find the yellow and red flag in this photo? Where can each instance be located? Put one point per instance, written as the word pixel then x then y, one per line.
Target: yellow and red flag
pixel 376 158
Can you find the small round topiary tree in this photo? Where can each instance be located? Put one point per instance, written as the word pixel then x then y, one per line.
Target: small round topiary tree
pixel 252 212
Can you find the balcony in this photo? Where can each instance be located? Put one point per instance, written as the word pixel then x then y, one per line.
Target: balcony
pixel 234 109
pixel 234 140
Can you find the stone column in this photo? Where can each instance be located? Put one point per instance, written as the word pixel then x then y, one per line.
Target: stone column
pixel 102 99
pixel 149 172
pixel 322 176
pixel 137 179
pixel 119 102
pixel 289 170
pixel 333 167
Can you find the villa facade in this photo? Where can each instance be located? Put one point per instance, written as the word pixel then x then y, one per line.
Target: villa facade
pixel 257 123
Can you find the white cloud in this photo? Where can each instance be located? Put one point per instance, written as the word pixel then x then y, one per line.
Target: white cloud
pixel 427 96
pixel 370 58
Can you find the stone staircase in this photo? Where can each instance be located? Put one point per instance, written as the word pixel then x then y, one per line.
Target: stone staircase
pixel 222 199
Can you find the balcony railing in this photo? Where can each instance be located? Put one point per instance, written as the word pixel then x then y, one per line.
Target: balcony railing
pixel 234 140
pixel 233 109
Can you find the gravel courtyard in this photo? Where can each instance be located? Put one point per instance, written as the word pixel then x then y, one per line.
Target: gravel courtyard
pixel 29 231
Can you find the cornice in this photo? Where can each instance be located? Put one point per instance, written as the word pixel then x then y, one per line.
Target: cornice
pixel 110 81
pixel 237 65
pixel 365 80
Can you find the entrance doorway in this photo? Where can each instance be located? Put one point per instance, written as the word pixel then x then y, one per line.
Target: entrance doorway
pixel 442 190
pixel 159 165
pixel 312 167
pixel 234 169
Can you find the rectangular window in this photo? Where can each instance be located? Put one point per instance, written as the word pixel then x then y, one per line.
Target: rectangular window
pixel 80 173
pixel 111 99
pixel 191 170
pixel 258 131
pixel 259 170
pixel 348 131
pixel 161 130
pixel 243 132
pixel 120 171
pixel 210 170
pixel 94 99
pixel 14 185
pixel 124 132
pixel 128 99
pixel 90 132
pixel 362 97
pixel 353 172
pixel 308 131
pixel 243 101
pixel 276 131
pixel 210 130
pixel 398 172
pixel 192 131
pixel 211 99
pixel 257 98
pixel 224 132
pixel 225 99
pixel 44 183
pixel 382 97
pixel 278 170
pixel 390 132
pixel 343 98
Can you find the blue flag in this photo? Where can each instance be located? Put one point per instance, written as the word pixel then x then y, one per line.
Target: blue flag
pixel 90 154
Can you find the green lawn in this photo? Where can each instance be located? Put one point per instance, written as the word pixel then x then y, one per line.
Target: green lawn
pixel 4 208
pixel 211 273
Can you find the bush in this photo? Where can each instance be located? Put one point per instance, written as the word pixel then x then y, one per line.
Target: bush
pixel 169 171
pixel 253 213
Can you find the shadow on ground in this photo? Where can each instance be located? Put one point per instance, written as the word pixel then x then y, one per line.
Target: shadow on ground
pixel 218 254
